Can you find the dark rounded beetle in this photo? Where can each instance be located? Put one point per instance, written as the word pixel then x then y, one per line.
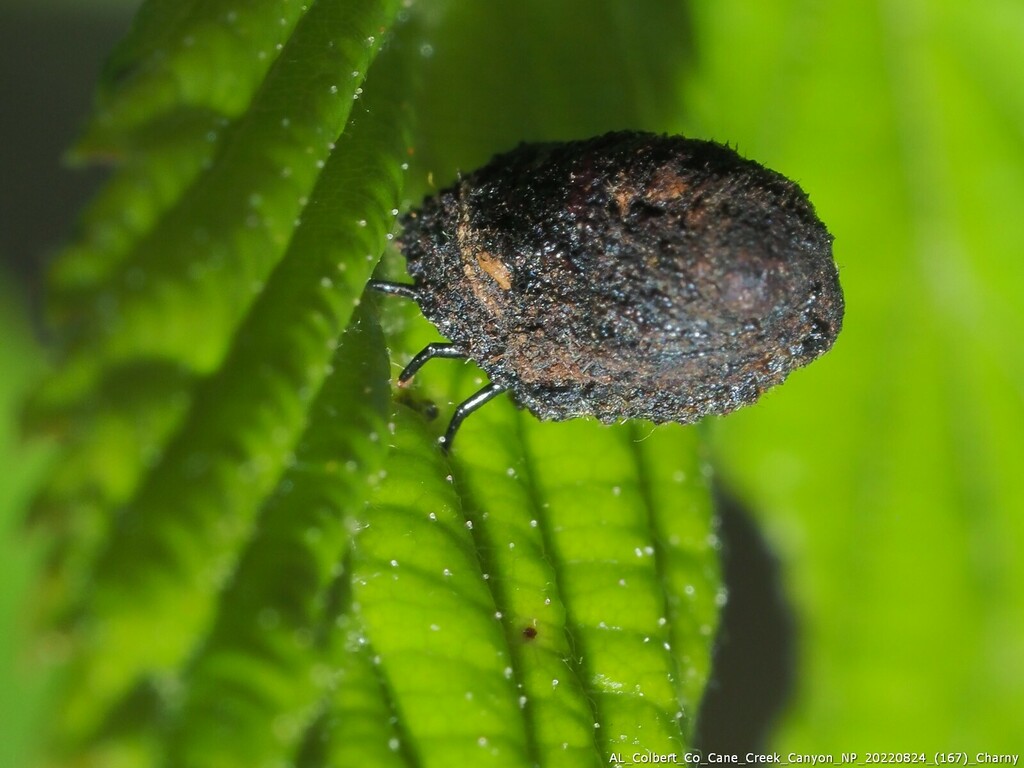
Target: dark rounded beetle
pixel 626 276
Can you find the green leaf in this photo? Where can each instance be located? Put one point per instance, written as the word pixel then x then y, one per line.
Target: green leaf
pixel 232 498
pixel 21 688
pixel 185 73
pixel 213 250
pixel 187 495
pixel 604 552
pixel 601 677
pixel 182 56
pixel 260 649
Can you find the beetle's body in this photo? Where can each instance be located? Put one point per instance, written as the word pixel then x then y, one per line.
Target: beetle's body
pixel 627 276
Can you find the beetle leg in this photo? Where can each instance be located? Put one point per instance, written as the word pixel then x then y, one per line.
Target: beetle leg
pixel 429 352
pixel 395 289
pixel 465 408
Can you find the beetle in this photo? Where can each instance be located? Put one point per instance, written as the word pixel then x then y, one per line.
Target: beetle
pixel 631 275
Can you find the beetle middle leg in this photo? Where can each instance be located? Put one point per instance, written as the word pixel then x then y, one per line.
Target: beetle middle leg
pixel 429 352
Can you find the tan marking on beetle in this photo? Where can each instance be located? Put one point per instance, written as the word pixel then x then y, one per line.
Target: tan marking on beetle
pixel 482 291
pixel 624 195
pixel 495 268
pixel 665 186
pixel 473 262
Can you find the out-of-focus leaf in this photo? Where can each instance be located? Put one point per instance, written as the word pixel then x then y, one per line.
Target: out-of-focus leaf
pixel 888 473
pixel 208 256
pixel 258 671
pixel 496 74
pixel 140 590
pixel 187 55
pixel 183 75
pixel 211 252
pixel 21 689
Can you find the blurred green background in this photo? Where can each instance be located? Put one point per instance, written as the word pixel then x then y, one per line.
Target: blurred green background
pixel 50 56
pixel 885 477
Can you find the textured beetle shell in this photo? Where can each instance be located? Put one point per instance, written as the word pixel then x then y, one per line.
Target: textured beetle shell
pixel 627 276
